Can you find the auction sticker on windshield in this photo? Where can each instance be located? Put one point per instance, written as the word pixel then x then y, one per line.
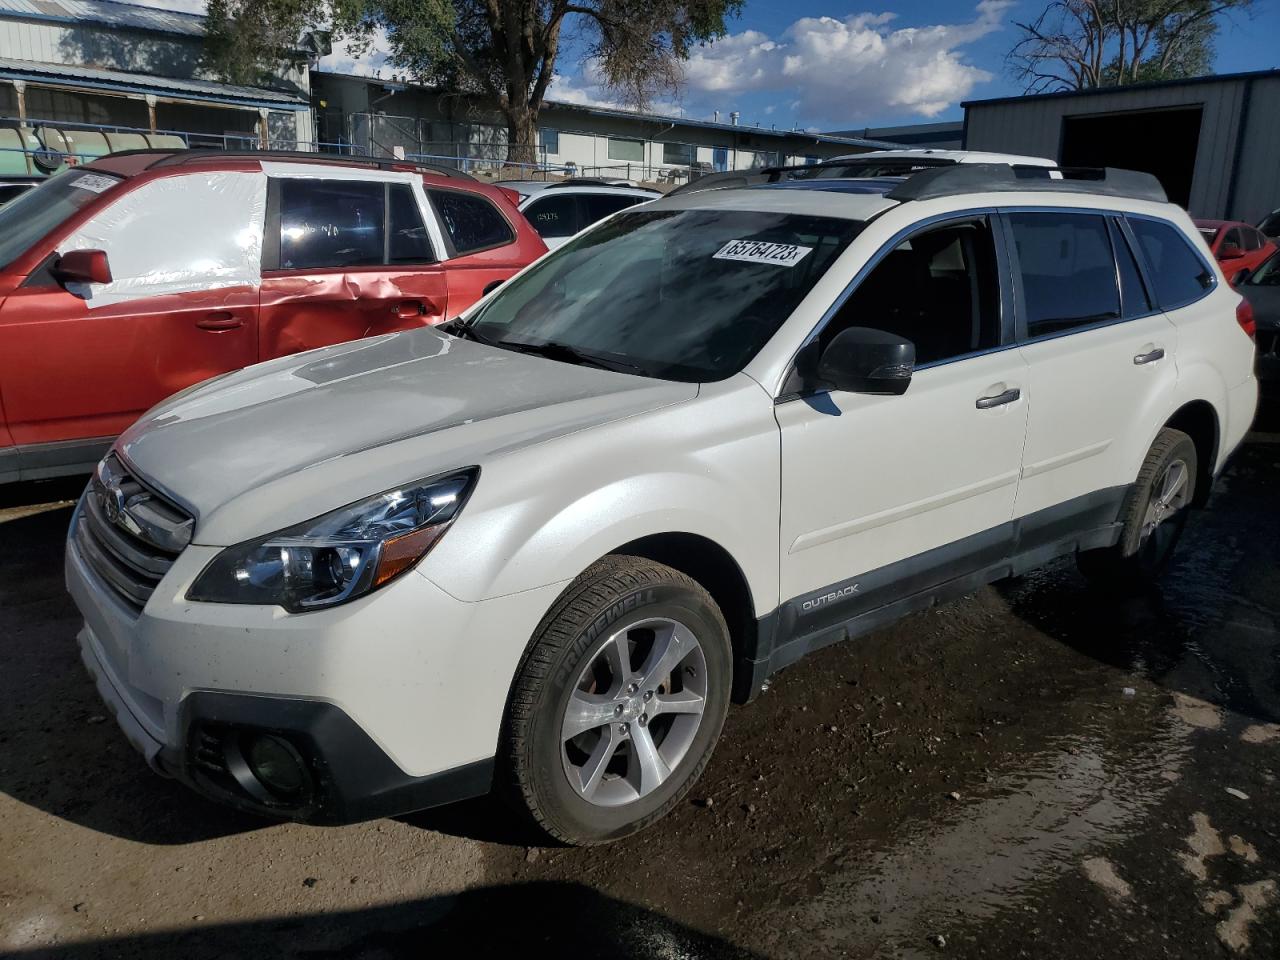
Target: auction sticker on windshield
pixel 91 181
pixel 757 251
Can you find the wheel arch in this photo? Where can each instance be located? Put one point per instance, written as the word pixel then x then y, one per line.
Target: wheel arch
pixel 716 569
pixel 1199 420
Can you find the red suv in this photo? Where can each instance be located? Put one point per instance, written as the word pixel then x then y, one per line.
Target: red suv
pixel 126 280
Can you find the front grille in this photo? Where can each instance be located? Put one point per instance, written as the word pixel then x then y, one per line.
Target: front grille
pixel 128 535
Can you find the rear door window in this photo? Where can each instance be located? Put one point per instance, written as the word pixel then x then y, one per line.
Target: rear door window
pixel 1133 292
pixel 601 205
pixel 554 216
pixel 1067 272
pixel 471 221
pixel 1176 270
pixel 331 223
pixel 407 239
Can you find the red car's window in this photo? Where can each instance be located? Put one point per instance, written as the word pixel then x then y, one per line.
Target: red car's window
pixel 37 212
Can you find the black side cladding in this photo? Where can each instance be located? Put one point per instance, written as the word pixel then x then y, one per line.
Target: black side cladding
pixel 855 606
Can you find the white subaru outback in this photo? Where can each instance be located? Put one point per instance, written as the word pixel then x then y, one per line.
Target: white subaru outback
pixel 543 547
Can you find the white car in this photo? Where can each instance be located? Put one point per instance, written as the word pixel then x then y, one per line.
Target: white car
pixel 560 210
pixel 544 547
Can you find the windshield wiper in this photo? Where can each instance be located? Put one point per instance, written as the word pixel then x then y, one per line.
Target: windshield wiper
pixel 568 354
pixel 465 330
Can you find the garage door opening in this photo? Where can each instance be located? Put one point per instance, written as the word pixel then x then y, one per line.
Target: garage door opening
pixel 1161 142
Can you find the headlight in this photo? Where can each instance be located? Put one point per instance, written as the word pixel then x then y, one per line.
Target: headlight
pixel 341 555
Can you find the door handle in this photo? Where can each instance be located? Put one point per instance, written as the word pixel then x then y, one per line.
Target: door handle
pixel 1151 356
pixel 409 309
pixel 219 320
pixel 999 400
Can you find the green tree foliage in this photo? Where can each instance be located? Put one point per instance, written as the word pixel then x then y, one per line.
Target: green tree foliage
pixel 506 50
pixel 1081 44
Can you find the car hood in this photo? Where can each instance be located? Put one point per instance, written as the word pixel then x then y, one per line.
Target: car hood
pixel 284 441
pixel 1265 302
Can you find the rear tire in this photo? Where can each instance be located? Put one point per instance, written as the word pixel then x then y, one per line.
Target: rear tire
pixel 1153 515
pixel 619 701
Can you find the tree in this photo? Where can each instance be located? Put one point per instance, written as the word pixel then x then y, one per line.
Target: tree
pixel 1081 44
pixel 506 50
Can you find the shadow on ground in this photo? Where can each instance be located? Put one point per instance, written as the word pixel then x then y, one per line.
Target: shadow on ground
pixel 59 750
pixel 535 919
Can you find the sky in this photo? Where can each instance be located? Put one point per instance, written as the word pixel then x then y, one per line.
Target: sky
pixel 818 64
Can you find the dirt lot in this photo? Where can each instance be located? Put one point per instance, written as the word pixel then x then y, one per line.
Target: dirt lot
pixel 1035 771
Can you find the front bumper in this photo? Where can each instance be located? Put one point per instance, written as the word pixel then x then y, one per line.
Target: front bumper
pixel 394 701
pixel 350 777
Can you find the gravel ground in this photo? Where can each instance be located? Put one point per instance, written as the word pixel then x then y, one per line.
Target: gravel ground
pixel 1037 770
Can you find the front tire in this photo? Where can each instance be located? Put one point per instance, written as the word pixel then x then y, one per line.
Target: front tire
pixel 619 701
pixel 1153 515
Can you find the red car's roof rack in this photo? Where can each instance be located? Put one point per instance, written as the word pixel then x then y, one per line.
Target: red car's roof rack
pixel 165 158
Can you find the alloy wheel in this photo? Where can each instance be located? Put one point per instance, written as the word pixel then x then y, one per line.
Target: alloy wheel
pixel 634 711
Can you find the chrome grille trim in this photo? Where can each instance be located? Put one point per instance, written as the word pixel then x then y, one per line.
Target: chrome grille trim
pixel 127 534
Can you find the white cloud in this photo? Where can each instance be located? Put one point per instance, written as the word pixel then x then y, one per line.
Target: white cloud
pixel 832 71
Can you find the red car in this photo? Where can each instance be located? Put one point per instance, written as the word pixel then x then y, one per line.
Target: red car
pixel 1236 245
pixel 142 273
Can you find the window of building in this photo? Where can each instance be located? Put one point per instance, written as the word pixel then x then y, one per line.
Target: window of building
pixel 331 223
pixel 631 151
pixel 1068 273
pixel 678 154
pixel 939 289
pixel 549 140
pixel 472 222
pixel 1178 273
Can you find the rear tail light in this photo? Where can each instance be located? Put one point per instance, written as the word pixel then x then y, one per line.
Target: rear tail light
pixel 1244 317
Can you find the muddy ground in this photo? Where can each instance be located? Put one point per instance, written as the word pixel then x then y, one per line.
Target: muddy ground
pixel 1038 770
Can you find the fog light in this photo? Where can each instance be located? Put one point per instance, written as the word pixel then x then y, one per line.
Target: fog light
pixel 277 766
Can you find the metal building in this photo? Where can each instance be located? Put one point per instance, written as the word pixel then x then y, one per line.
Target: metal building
pixel 1214 142
pixel 79 78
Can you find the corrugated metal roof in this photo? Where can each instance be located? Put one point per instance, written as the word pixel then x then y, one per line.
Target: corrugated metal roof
pixel 109 79
pixel 727 127
pixel 106 12
pixel 1123 88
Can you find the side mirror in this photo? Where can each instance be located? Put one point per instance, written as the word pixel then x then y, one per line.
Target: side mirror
pixel 83 266
pixel 862 360
pixel 1230 252
pixel 1241 276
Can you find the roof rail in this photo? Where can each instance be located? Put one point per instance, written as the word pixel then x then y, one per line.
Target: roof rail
pixel 598 182
pixel 964 178
pixel 728 179
pixel 172 157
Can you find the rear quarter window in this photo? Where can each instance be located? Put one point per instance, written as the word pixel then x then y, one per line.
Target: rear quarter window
pixel 1176 271
pixel 471 221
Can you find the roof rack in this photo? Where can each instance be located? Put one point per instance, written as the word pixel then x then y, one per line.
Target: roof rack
pixel 171 157
pixel 598 182
pixel 729 179
pixel 964 178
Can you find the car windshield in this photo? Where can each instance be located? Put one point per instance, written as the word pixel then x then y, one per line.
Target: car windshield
pixel 677 294
pixel 32 215
pixel 1268 274
pixel 1208 233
